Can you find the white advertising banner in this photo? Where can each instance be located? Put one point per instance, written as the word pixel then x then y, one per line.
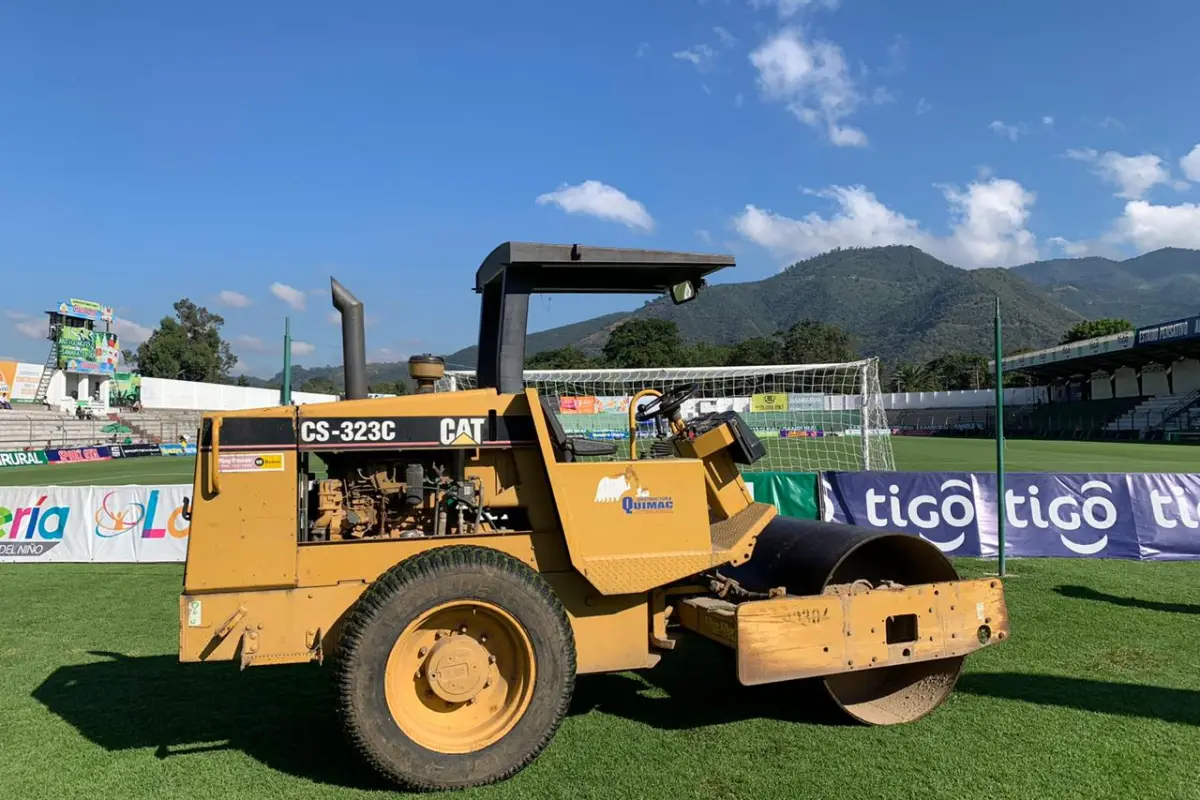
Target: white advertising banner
pixel 124 524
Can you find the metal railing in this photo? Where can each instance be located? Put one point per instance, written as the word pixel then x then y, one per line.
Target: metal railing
pixel 35 431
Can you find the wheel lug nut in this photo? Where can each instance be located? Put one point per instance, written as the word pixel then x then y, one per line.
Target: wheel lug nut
pixel 422 652
pixel 462 628
pixel 483 639
pixel 491 659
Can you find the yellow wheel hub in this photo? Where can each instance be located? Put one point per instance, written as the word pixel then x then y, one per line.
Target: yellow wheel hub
pixel 457 668
pixel 460 676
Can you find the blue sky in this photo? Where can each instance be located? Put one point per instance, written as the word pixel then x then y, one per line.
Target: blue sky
pixel 240 153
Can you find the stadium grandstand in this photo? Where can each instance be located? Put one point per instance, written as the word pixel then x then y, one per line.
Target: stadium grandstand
pixel 1142 384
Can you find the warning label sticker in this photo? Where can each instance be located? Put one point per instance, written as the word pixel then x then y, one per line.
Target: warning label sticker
pixel 251 462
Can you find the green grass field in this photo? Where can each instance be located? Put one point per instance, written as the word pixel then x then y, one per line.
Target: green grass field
pixel 1097 693
pixel 911 453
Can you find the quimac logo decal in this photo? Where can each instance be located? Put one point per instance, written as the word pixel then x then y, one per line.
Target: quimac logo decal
pixel 627 490
pixel 32 530
pixel 119 514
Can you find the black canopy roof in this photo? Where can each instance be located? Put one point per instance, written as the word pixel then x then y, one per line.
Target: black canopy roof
pixel 575 268
pixel 515 270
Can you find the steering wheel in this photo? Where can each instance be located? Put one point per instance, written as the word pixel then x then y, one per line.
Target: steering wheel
pixel 666 404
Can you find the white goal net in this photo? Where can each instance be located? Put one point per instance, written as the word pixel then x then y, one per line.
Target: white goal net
pixel 811 417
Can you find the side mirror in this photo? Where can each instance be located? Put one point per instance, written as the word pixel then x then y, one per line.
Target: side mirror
pixel 683 292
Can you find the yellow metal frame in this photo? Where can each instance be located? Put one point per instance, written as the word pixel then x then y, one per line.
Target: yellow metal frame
pixel 787 638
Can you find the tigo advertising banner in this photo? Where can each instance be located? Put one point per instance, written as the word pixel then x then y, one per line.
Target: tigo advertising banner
pixel 93 524
pixel 1088 515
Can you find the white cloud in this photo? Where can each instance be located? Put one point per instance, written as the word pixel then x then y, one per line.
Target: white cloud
pixel 1112 122
pixel 701 56
pixel 300 348
pixel 32 328
pixel 1148 227
pixel 1000 128
pixel 727 38
pixel 989 220
pixel 129 332
pixel 643 49
pixel 248 342
pixel 704 236
pixel 1069 248
pixel 989 230
pixel 292 296
pixel 232 299
pixel 1132 175
pixel 1048 121
pixel 789 8
pixel 812 81
pixel 1190 164
pixel 897 53
pixel 923 107
pixel 16 314
pixel 600 200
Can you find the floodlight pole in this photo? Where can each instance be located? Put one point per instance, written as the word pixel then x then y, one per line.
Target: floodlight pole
pixel 285 391
pixel 999 378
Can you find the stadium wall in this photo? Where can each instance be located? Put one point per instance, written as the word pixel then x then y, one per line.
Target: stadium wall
pixel 168 394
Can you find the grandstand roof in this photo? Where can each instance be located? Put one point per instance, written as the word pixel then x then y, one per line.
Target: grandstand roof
pixel 1163 342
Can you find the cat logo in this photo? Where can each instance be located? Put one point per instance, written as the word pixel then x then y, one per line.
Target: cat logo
pixel 462 431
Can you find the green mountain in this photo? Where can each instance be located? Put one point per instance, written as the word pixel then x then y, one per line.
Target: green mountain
pixel 1155 287
pixel 898 303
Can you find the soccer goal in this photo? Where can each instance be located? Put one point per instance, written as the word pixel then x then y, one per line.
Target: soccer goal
pixel 812 417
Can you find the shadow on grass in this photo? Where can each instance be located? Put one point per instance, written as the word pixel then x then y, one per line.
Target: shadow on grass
pixel 285 717
pixel 1084 593
pixel 696 686
pixel 1124 699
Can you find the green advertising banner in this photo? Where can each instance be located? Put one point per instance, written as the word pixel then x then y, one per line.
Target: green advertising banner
pixel 126 389
pixel 22 458
pixel 793 493
pixel 88 351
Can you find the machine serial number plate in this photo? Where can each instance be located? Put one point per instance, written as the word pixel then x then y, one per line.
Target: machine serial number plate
pixel 334 432
pixel 360 430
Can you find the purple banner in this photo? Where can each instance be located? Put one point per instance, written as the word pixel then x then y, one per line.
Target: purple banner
pixel 1166 512
pixel 1103 515
pixel 940 507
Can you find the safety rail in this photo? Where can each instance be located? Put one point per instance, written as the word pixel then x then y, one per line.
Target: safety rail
pixel 23 430
pixel 1175 409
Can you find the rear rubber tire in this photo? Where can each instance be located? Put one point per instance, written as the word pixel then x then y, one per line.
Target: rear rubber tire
pixel 402 595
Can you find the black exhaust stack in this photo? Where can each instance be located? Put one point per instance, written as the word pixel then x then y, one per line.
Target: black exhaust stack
pixel 354 341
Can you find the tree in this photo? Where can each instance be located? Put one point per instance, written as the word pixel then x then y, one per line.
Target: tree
pixel 754 352
pixel 912 378
pixel 569 357
pixel 644 343
pixel 957 370
pixel 1091 328
pixel 242 380
pixel 321 385
pixel 187 347
pixel 388 387
pixel 812 342
pixel 703 354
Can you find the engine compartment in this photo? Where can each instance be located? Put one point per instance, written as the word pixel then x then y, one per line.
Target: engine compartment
pixel 402 495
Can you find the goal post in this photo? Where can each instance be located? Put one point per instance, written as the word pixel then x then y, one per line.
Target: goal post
pixel 812 417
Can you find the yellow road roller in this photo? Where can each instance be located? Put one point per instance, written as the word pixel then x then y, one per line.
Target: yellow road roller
pixel 459 559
